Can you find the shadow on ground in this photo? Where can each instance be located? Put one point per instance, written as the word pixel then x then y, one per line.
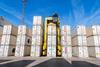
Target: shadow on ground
pixel 55 62
pixel 83 64
pixel 21 63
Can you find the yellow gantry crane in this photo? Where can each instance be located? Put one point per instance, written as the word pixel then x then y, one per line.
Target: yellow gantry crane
pixel 54 20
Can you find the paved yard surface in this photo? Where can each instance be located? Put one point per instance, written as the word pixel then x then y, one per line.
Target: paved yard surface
pixel 48 62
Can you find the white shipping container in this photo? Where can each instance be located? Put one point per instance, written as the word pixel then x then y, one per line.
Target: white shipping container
pixel 85 51
pixel 22 51
pixel 97 49
pixel 23 40
pixel 22 29
pixel 9 29
pixel 37 30
pixel 77 51
pixel 79 30
pixel 92 51
pixel 93 41
pixel 51 40
pixel 69 51
pixel 6 48
pixel 8 40
pixel 66 30
pixel 66 40
pixel 36 40
pixel 37 52
pixel 52 30
pixel 37 20
pixel 79 40
pixel 64 51
pixel 51 51
pixel 17 50
pixel 6 51
pixel 49 29
pixel 1 51
pixel 33 50
pixel 96 29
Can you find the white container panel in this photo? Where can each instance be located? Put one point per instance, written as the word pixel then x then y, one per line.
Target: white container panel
pixel 97 49
pixel 85 51
pixel 63 43
pixel 49 29
pixel 39 20
pixel 75 51
pixel 91 52
pixel 35 20
pixel 1 50
pixel 6 48
pixel 3 39
pixel 66 30
pixel 37 51
pixel 17 51
pixel 33 50
pixel 34 40
pixel 22 29
pixel 22 51
pixel 69 51
pixel 80 52
pixel 54 40
pixel 96 29
pixel 49 53
pixel 53 29
pixel 64 51
pixel 53 51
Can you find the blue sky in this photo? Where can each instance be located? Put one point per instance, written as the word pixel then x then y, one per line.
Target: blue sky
pixel 71 12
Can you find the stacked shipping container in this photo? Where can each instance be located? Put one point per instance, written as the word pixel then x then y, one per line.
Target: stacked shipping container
pixel 37 34
pixel 93 38
pixel 23 42
pixel 0 35
pixel 8 41
pixel 66 41
pixel 79 42
pixel 51 40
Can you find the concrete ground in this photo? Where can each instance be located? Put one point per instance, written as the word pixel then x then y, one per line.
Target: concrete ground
pixel 48 62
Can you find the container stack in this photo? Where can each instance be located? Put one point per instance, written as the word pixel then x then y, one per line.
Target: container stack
pixel 8 41
pixel 79 42
pixel 93 38
pixel 37 34
pixel 23 43
pixel 66 41
pixel 51 41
